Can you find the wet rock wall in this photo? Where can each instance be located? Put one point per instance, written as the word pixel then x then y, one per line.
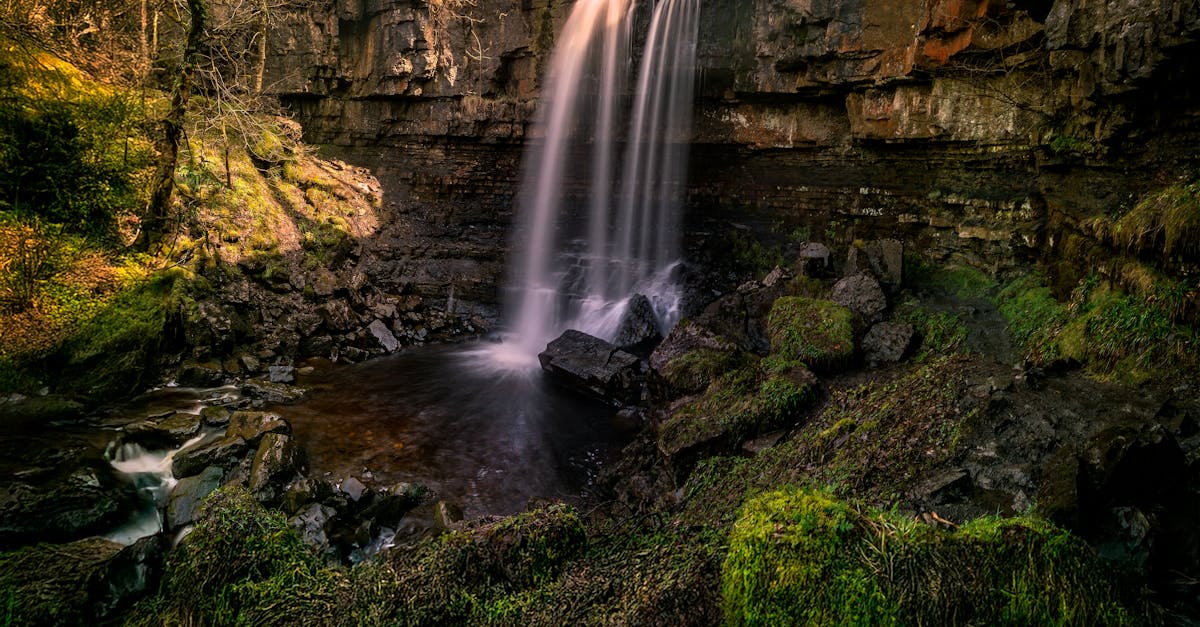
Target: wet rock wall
pixel 972 127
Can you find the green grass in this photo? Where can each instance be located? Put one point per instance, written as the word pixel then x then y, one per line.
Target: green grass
pixel 1164 225
pixel 941 332
pixel 1115 335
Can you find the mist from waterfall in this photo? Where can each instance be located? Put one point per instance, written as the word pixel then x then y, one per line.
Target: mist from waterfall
pixel 603 176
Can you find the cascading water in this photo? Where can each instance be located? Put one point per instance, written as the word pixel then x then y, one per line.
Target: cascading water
pixel 571 277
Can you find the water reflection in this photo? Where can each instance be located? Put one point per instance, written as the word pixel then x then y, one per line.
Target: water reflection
pixel 487 437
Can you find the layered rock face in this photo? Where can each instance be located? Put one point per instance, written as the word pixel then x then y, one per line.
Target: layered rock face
pixel 970 127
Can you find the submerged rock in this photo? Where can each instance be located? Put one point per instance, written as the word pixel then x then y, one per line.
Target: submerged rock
pixel 215 416
pixel 594 367
pixel 281 374
pixel 251 426
pixel 262 391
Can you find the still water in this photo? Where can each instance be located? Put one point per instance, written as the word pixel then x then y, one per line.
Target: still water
pixel 484 437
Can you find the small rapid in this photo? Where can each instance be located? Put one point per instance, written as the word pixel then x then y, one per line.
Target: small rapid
pixel 149 471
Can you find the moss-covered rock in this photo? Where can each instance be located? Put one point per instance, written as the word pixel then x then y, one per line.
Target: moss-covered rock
pixel 454 577
pixel 693 371
pixel 738 405
pixel 241 564
pixel 116 352
pixel 802 557
pixel 816 332
pixel 50 584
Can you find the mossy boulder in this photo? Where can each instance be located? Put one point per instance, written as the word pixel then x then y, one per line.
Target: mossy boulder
pixel 445 581
pixel 117 351
pixel 803 557
pixel 819 333
pixel 693 371
pixel 240 565
pixel 54 584
pixel 737 405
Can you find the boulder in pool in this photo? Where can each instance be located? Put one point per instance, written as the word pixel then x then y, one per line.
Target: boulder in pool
pixel 593 367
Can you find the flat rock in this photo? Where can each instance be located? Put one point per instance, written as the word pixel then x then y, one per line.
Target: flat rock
pixel 223 452
pixel 272 392
pixel 593 367
pixel 167 432
pixel 281 374
pixel 251 426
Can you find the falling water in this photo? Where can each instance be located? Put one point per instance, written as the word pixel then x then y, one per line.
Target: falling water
pixel 568 277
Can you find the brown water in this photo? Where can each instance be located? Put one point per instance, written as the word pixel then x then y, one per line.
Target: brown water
pixel 488 439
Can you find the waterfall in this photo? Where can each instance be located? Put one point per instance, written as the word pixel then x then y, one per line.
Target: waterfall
pixel 595 229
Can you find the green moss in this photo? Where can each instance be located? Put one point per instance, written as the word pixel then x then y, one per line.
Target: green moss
pixel 1130 338
pixel 243 564
pixel 74 153
pixel 1034 317
pixel 802 557
pixel 115 352
pixel 816 332
pixel 959 280
pixel 1115 335
pixel 941 332
pixel 740 404
pixel 792 561
pixel 693 371
pixel 463 574
pixel 743 254
pixel 871 441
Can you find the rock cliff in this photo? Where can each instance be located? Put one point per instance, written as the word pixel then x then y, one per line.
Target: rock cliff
pixel 983 129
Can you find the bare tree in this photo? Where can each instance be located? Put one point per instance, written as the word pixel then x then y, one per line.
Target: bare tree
pixel 158 214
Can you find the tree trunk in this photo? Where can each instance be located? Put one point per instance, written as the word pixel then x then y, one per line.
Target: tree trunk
pixel 262 49
pixel 159 213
